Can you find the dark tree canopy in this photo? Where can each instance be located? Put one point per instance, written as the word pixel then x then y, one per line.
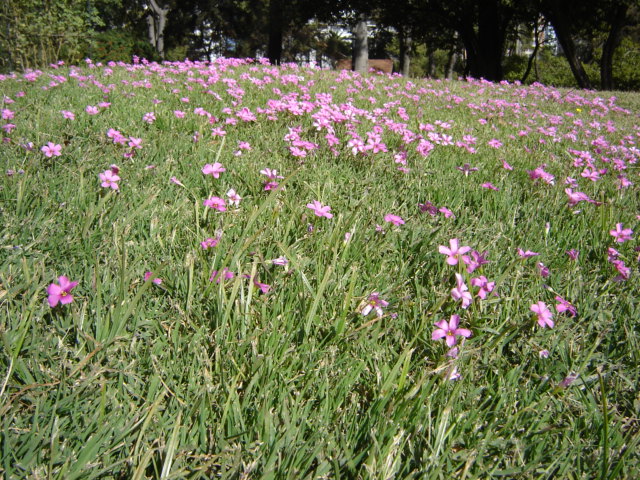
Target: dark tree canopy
pixel 477 37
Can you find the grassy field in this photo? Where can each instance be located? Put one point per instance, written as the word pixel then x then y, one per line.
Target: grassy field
pixel 293 273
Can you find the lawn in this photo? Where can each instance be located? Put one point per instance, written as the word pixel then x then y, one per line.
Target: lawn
pixel 237 270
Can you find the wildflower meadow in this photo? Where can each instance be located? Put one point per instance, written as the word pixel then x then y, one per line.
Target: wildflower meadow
pixel 236 270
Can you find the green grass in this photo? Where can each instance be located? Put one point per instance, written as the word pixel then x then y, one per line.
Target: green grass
pixel 198 379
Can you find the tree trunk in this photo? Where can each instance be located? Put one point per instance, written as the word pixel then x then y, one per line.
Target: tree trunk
pixel 534 55
pixel 360 46
pixel 451 63
pixel 471 47
pixel 562 26
pixel 484 45
pixel 431 62
pixel 616 23
pixel 492 26
pixel 157 21
pixel 151 32
pixel 274 47
pixel 405 52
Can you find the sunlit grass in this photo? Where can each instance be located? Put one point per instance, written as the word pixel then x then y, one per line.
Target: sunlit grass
pixel 274 371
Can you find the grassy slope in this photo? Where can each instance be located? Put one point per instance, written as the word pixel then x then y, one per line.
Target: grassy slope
pixel 197 378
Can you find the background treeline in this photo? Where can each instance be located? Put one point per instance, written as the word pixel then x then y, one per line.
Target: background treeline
pixel 585 43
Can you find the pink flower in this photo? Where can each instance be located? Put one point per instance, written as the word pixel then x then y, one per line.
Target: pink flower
pixel 282 261
pixel 319 209
pixel 91 110
pixel 568 380
pixel 149 117
pixel 573 254
pixel 68 115
pixel 593 175
pixel 449 330
pixel 135 142
pixel 475 260
pixel 264 288
pixel 395 219
pixel 116 136
pixel 271 174
pixel 225 274
pixel 155 280
pixel 625 272
pixel 176 181
pixel 216 169
pixel 623 182
pixel 454 253
pixel 543 270
pixel 234 198
pixel 209 242
pixel 490 186
pixel 52 150
pixel 428 207
pixel 621 235
pixel 564 306
pixel 461 292
pixel 506 166
pixel 109 179
pixel 526 254
pixel 453 374
pixel 178 113
pixel 495 143
pixel 467 169
pixel 446 212
pixel 453 352
pixel 61 293
pixel 543 313
pixel 577 197
pixel 216 203
pixel 485 286
pixel 374 302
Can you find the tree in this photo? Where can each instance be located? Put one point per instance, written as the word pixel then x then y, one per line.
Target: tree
pixel 617 15
pixel 157 21
pixel 404 40
pixel 482 26
pixel 564 21
pixel 360 45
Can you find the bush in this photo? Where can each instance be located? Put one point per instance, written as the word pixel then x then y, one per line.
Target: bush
pixel 119 45
pixel 626 59
pixel 36 34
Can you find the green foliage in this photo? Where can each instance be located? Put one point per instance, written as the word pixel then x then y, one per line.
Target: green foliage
pixel 514 67
pixel 626 74
pixel 36 33
pixel 177 53
pixel 121 45
pixel 548 69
